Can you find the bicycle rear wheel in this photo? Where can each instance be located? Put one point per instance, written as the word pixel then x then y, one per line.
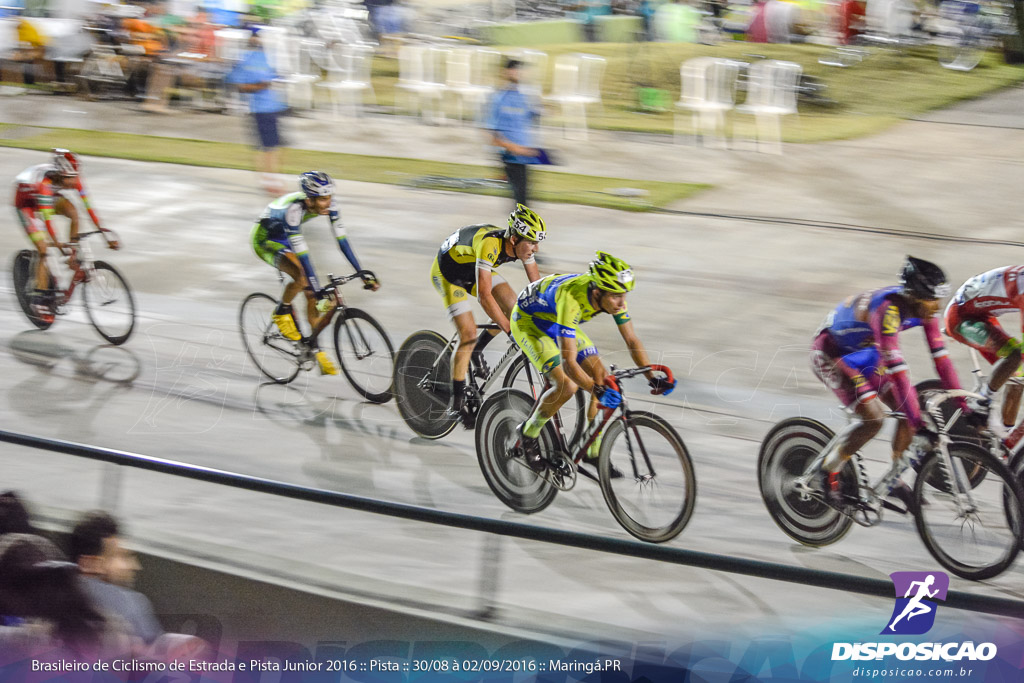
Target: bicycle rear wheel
pixel 511 480
pixel 24 275
pixel 654 498
pixel 423 384
pixel 276 357
pixel 975 533
pixel 109 303
pixel 785 455
pixel 524 377
pixel 365 353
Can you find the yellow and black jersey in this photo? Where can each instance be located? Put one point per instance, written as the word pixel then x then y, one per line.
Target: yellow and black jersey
pixel 469 248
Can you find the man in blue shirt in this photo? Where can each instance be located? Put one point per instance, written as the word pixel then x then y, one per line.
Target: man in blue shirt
pixel 511 120
pixel 254 76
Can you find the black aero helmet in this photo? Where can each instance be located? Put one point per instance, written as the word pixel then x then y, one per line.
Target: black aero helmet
pixel 923 279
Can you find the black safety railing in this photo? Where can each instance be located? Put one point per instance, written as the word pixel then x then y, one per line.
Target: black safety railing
pixel 736 565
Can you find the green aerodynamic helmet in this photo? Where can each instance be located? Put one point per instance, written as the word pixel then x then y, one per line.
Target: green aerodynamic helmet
pixel 527 224
pixel 611 274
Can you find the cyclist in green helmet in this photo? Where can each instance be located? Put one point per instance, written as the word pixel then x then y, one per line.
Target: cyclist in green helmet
pixel 545 324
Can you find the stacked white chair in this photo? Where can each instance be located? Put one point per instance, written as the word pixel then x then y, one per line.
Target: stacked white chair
pixel 771 94
pixel 348 77
pixel 420 78
pixel 469 78
pixel 708 92
pixel 575 86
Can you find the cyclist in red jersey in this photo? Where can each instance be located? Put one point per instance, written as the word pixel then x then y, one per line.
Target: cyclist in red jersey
pixel 38 197
pixel 971 319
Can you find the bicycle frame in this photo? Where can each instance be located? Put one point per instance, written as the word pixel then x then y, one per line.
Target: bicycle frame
pixel 82 270
pixel 869 497
pixel 587 437
pixel 497 371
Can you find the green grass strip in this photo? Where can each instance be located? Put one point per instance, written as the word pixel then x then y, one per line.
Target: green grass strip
pixel 549 186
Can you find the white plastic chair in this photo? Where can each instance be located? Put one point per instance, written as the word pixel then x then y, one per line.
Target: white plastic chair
pixel 348 77
pixel 470 78
pixel 419 78
pixel 290 56
pixel 576 85
pixel 708 91
pixel 771 94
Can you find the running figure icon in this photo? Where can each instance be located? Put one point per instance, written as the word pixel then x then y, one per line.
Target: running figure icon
pixel 917 595
pixel 915 607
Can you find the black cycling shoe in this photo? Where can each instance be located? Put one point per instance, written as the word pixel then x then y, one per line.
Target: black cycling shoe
pixel 467 415
pixel 528 448
pixel 588 468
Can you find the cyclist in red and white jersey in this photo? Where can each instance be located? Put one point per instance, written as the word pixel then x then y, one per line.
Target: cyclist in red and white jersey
pixel 971 318
pixel 38 197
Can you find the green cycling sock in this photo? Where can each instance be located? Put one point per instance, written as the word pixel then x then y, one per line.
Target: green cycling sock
pixel 534 425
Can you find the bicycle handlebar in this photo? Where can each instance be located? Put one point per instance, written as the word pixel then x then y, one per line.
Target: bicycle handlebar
pixel 336 281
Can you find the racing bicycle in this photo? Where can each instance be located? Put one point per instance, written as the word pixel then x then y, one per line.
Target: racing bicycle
pixel 108 299
pixel 363 347
pixel 644 470
pixel 966 503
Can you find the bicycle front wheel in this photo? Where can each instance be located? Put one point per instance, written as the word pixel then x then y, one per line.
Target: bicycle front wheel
pixel 654 496
pixel 24 274
pixel 365 353
pixel 423 384
pixel 524 377
pixel 511 479
pixel 109 303
pixel 276 357
pixel 975 533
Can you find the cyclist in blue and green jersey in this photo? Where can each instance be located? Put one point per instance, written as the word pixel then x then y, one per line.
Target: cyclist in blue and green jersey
pixel 546 325
pixel 277 239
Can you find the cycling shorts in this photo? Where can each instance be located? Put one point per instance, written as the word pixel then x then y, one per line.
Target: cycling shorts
pixel 542 349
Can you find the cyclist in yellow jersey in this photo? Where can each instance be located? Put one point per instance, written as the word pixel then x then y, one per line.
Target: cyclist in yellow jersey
pixel 545 324
pixel 465 266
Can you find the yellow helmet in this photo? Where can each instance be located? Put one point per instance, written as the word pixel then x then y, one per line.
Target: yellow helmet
pixel 527 224
pixel 611 274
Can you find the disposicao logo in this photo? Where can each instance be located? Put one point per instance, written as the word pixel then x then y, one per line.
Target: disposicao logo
pixel 916 596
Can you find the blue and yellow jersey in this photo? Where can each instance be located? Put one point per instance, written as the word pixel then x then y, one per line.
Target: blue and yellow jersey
pixel 559 304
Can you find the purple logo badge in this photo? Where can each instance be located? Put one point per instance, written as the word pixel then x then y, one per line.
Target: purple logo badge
pixel 916 596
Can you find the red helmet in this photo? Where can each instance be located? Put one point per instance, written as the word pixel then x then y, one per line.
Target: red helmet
pixel 66 161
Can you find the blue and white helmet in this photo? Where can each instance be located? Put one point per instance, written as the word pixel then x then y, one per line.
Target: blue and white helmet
pixel 316 184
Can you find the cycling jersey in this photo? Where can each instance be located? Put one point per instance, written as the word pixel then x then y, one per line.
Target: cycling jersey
pixel 279 231
pixel 470 248
pixel 35 192
pixel 553 307
pixel 865 349
pixel 971 314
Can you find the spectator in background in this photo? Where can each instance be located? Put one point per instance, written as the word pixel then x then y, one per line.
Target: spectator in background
pixel 31 50
pixel 108 572
pixel 677 22
pixel 14 518
pixel 254 76
pixel 43 606
pixel 512 120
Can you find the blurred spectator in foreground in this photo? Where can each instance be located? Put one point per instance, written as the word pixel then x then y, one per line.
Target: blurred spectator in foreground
pixel 14 518
pixel 108 572
pixel 512 120
pixel 254 76
pixel 43 607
